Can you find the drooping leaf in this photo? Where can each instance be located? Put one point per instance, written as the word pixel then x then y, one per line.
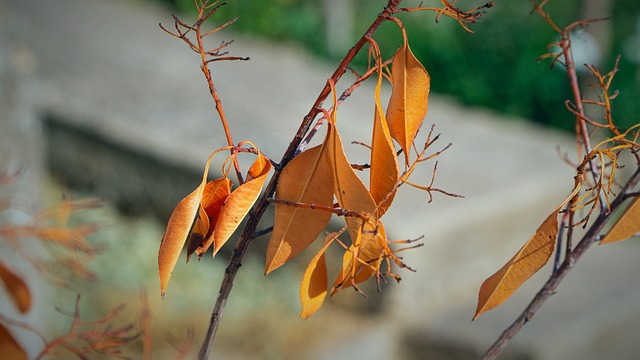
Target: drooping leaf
pixel 313 289
pixel 384 170
pixel 181 222
pixel 16 287
pixel 306 179
pixel 349 190
pixel 409 97
pixel 370 253
pixel 526 262
pixel 627 225
pixel 214 195
pixel 240 201
pixel 199 232
pixel 9 347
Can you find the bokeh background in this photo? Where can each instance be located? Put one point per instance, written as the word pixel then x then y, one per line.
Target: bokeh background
pixel 499 75
pixel 98 102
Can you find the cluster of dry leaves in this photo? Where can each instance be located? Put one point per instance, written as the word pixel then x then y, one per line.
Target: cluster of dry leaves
pixel 321 182
pixel 316 184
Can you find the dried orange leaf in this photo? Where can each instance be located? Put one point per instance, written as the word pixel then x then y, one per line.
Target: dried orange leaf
pixel 313 288
pixel 409 97
pixel 17 288
pixel 306 179
pixel 238 203
pixel 384 170
pixel 351 193
pixel 214 195
pixel 627 225
pixel 9 347
pixel 180 224
pixel 531 258
pixel 370 253
pixel 198 232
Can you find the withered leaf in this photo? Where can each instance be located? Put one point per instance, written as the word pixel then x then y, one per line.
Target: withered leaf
pixel 199 232
pixel 361 262
pixel 9 347
pixel 306 179
pixel 313 289
pixel 16 287
pixel 239 202
pixel 384 170
pixel 181 222
pixel 214 195
pixel 627 225
pixel 526 262
pixel 409 97
pixel 349 190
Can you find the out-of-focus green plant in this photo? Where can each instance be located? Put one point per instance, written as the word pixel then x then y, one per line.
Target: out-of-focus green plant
pixel 495 68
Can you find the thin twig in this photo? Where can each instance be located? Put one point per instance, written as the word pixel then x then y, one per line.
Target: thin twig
pixel 256 213
pixel 549 288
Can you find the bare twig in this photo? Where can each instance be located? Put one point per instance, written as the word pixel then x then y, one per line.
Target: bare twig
pixel 205 10
pixel 605 153
pixel 549 288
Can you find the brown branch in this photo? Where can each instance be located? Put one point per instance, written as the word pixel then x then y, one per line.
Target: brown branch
pixel 256 213
pixel 549 288
pixel 447 9
pixel 582 133
pixel 345 94
pixel 205 10
pixel 334 210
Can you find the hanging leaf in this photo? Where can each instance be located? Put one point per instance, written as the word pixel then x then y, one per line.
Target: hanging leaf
pixel 182 221
pixel 306 179
pixel 178 229
pixel 313 289
pixel 531 258
pixel 240 201
pixel 409 97
pixel 627 225
pixel 214 195
pixel 9 347
pixel 351 193
pixel 199 232
pixel 384 170
pixel 370 253
pixel 17 288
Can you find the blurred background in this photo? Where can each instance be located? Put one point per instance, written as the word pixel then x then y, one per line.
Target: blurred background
pixel 98 102
pixel 499 75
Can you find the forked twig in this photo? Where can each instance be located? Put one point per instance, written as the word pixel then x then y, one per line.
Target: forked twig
pixel 549 288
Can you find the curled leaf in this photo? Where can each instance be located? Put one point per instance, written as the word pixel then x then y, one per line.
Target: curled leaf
pixel 199 232
pixel 409 97
pixel 526 262
pixel 239 202
pixel 384 170
pixel 182 221
pixel 17 288
pixel 627 225
pixel 363 261
pixel 9 347
pixel 351 193
pixel 214 195
pixel 313 289
pixel 306 179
